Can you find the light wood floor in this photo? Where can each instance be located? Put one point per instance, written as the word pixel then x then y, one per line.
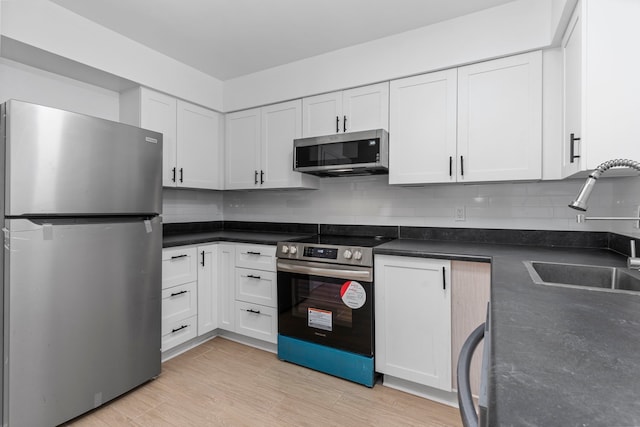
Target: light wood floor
pixel 223 383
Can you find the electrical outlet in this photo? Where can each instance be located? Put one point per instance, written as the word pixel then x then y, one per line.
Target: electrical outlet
pixel 459 214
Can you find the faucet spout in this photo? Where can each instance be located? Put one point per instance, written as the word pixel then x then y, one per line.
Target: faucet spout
pixel 580 203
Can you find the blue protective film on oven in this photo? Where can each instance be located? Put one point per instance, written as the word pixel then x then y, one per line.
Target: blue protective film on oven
pixel 340 363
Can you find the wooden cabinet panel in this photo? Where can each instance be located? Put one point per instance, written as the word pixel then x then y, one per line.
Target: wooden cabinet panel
pixel 470 293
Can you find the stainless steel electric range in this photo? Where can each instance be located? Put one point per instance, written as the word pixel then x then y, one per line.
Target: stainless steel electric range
pixel 325 305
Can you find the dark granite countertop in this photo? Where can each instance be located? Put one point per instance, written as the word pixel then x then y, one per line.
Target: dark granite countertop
pixel 191 238
pixel 560 356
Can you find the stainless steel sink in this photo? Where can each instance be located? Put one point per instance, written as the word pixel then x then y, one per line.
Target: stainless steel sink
pixel 607 279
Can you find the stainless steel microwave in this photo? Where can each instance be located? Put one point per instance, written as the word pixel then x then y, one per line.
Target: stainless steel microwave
pixel 353 153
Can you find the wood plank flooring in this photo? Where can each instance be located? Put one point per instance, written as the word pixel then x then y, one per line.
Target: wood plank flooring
pixel 223 383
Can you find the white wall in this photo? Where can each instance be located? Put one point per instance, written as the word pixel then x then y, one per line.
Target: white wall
pixel 45 25
pixel 191 205
pixel 515 27
pixel 370 200
pixel 19 81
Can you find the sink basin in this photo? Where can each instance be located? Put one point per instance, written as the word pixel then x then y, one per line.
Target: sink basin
pixel 608 279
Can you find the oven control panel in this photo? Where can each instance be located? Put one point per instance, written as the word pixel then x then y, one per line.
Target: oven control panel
pixel 325 253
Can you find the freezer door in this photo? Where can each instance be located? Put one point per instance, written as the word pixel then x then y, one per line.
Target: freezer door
pixel 58 162
pixel 82 305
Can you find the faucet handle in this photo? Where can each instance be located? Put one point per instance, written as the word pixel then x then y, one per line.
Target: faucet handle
pixel 632 243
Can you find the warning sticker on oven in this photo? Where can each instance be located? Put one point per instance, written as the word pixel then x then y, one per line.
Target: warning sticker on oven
pixel 353 294
pixel 320 319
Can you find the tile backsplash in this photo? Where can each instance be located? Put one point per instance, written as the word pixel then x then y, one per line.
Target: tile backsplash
pixel 370 200
pixel 180 205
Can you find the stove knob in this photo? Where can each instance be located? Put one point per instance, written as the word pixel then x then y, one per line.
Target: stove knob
pixel 347 254
pixel 293 250
pixel 357 255
pixel 285 249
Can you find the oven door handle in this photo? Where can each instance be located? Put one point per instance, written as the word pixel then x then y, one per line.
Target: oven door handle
pixel 348 274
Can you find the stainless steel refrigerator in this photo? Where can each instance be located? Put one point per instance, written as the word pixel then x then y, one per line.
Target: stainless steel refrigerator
pixel 82 261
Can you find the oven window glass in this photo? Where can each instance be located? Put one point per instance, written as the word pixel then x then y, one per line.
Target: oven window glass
pixel 311 308
pixel 338 153
pixel 320 295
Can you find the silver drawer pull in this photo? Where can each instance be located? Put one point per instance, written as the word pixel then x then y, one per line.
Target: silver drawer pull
pixel 253 253
pixel 250 310
pixel 179 256
pixel 178 293
pixel 251 276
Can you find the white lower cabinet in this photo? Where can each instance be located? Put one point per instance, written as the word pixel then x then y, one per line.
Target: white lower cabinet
pixel 413 319
pixel 256 298
pixel 179 296
pixel 257 321
pixel 226 286
pixel 207 288
pixel 178 331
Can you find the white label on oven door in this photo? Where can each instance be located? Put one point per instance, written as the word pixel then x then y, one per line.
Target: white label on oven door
pixel 320 319
pixel 353 294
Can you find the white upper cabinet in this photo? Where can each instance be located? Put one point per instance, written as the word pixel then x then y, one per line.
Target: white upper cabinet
pixel 601 94
pixel 422 141
pixel 242 149
pixel 500 119
pixel 158 112
pixel 192 136
pixel 199 147
pixel 481 122
pixel 352 110
pixel 322 114
pixel 365 108
pixel 259 148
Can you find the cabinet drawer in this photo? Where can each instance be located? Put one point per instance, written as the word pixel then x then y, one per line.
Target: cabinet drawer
pixel 257 321
pixel 256 286
pixel 179 265
pixel 179 302
pixel 178 331
pixel 259 257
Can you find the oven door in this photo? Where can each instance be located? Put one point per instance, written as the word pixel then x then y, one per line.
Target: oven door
pixel 326 304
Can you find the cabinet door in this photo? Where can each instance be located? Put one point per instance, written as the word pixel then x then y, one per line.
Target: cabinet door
pixel 178 266
pixel 366 108
pixel 413 319
pixel 242 149
pixel 322 114
pixel 199 148
pixel 257 257
pixel 422 146
pixel 281 124
pixel 207 288
pixel 257 321
pixel 500 119
pixel 572 55
pixel 226 286
pixel 256 286
pixel 470 290
pixel 158 113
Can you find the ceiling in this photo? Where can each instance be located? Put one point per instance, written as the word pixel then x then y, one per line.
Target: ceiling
pixel 231 38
